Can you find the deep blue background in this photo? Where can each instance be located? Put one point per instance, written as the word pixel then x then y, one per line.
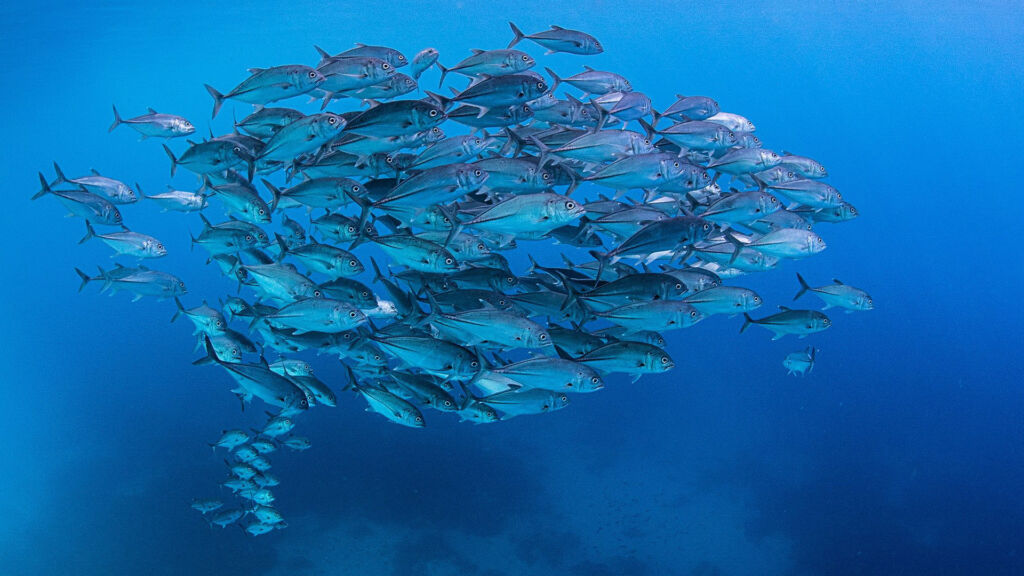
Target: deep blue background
pixel 900 454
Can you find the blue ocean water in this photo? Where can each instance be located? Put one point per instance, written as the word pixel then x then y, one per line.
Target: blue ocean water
pixel 900 454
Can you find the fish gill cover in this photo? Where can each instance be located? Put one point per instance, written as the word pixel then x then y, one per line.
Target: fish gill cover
pixel 654 211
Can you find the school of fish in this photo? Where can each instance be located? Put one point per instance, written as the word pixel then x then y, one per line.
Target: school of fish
pixel 373 226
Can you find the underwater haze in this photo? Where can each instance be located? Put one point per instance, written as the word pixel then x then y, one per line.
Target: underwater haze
pixel 901 452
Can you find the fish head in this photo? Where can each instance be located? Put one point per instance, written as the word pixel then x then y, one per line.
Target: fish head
pixel 585 379
pixel 518 61
pixel 659 361
pixel 471 177
pixel 328 125
pixel 306 78
pixel 433 135
pixel 640 144
pixel 426 115
pixel 378 69
pixel 182 127
pixel 815 243
pixel 520 113
pixel 768 203
pixel 256 213
pixel 769 158
pixel 154 248
pixel 350 264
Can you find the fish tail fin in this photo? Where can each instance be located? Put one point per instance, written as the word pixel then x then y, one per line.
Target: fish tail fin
pixel 735 242
pixel 117 119
pixel 543 158
pixel 655 118
pixel 804 287
pixel 747 321
pixel 275 194
pixel 179 311
pixel 364 216
pixel 211 354
pixel 602 261
pixel 61 179
pixel 442 101
pixel 89 233
pixel 444 72
pixel 324 55
pixel 218 99
pixel 602 116
pixel 174 160
pixel 85 278
pixel 44 190
pixel 378 276
pixel 519 34
pixel 649 129
pixel 553 77
pixel 283 246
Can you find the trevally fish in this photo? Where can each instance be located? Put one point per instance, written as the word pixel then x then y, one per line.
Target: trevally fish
pixel 838 295
pixel 800 363
pixel 155 124
pixel 799 322
pixel 267 85
pixel 559 39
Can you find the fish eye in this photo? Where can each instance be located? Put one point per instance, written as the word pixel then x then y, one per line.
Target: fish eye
pixel 352 229
pixel 248 237
pixel 664 359
pixel 675 164
pixel 526 57
pixel 449 261
pixel 540 85
pixel 401 57
pixel 433 113
pixel 543 337
pixel 526 109
pixel 595 380
pixel 386 66
pixel 679 286
pixel 237 149
pixel 317 293
pixel 477 172
pixel 839 195
pixel 262 212
pixel 693 314
pixel 479 246
pixel 352 314
pixel 511 280
pixel 474 364
pixel 570 205
pixel 352 262
pixel 545 176
pixel 312 74
pixel 707 226
pixel 332 120
pixel 364 293
pixel 774 199
pixel 705 175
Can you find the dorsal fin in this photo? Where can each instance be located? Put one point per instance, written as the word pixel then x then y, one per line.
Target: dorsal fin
pixel 837 281
pixel 553 27
pixel 476 51
pixel 255 70
pixel 588 68
pixel 152 111
pixel 95 172
pixel 784 308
